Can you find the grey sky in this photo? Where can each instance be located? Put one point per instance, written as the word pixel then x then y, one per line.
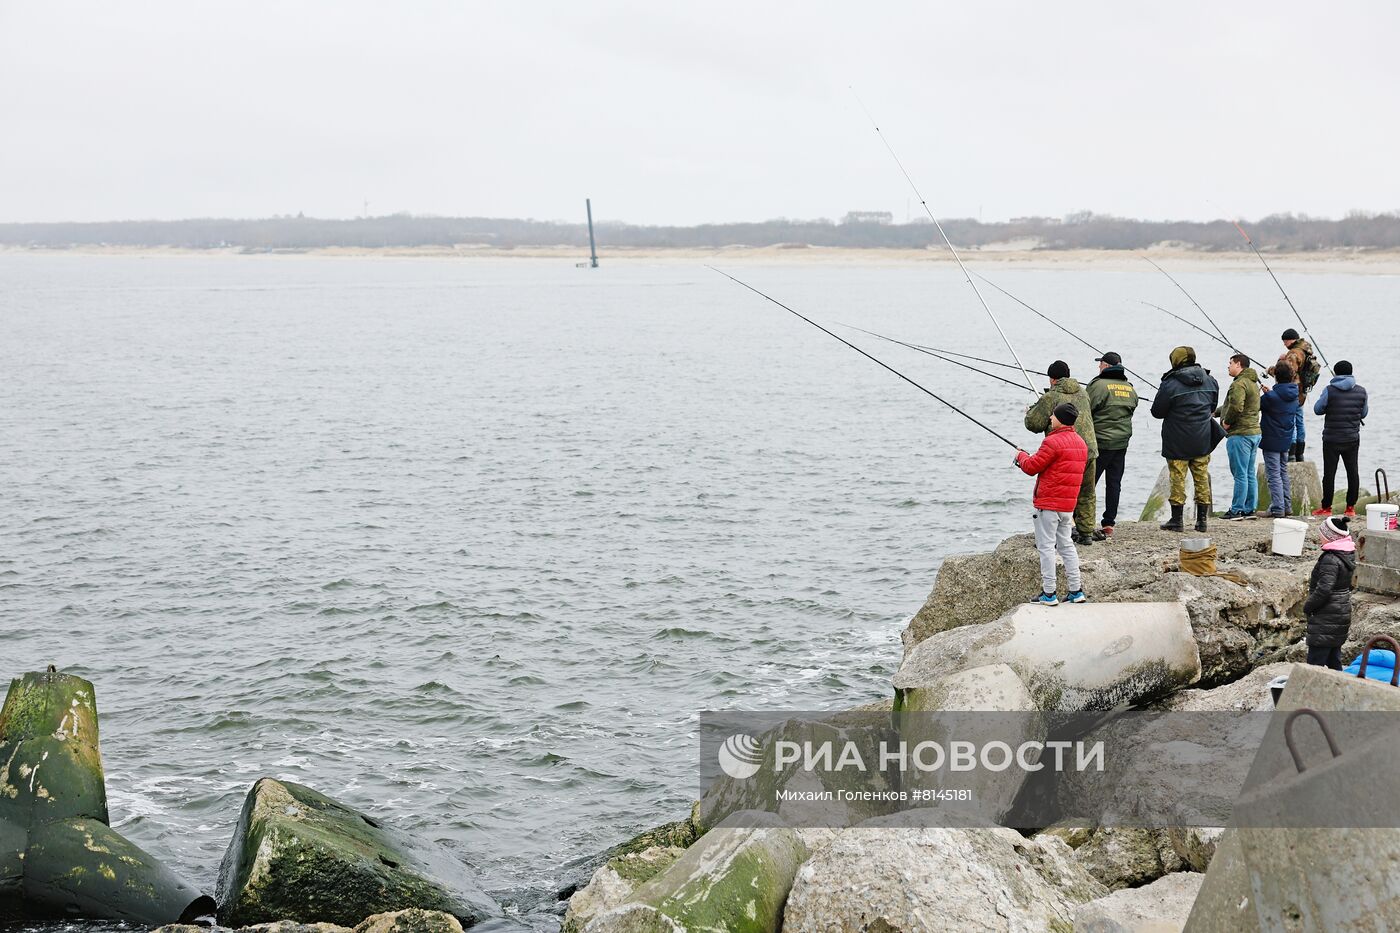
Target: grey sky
pixel 687 113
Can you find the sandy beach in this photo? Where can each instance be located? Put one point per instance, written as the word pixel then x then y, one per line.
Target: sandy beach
pixel 1350 261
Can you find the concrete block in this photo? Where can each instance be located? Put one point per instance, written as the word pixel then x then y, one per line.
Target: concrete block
pixel 1071 658
pixel 1322 689
pixel 1373 578
pixel 1381 548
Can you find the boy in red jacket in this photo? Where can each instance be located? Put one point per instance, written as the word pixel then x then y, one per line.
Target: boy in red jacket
pixel 1059 465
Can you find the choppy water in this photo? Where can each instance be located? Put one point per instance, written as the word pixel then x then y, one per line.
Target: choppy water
pixel 470 543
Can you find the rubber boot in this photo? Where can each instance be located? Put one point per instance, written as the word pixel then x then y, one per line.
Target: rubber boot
pixel 1202 513
pixel 1300 446
pixel 1175 522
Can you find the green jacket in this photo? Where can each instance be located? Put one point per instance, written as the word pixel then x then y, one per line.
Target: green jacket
pixel 1240 411
pixel 1066 390
pixel 1112 401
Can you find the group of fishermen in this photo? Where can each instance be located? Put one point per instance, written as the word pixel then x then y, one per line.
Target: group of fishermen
pixel 1089 428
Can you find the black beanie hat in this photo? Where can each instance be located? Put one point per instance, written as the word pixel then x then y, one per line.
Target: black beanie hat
pixel 1066 413
pixel 1343 368
pixel 1290 334
pixel 1058 370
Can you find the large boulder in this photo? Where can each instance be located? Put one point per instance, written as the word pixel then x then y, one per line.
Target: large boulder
pixel 1304 488
pixel 1126 857
pixel 894 875
pixel 59 859
pixel 1072 658
pixel 615 882
pixel 297 854
pixel 1234 624
pixel 735 878
pixel 1160 907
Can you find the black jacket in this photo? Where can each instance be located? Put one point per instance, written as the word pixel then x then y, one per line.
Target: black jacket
pixel 1188 397
pixel 1328 606
pixel 1345 404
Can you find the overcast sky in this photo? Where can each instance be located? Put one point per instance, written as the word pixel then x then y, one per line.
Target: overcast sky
pixel 694 112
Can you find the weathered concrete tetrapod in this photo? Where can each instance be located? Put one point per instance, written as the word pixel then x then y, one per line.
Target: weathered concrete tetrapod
pixel 1071 658
pixel 58 856
pixel 1378 562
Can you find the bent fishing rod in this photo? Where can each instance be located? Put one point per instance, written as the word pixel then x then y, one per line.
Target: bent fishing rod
pixel 1057 324
pixel 1284 293
pixel 1194 326
pixel 946 242
pixel 938 354
pixel 901 375
pixel 1194 302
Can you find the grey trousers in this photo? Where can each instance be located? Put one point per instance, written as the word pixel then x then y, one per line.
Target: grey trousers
pixel 1052 536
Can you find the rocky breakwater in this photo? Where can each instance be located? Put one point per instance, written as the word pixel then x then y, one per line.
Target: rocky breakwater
pixel 299 861
pixel 1154 638
pixel 1235 625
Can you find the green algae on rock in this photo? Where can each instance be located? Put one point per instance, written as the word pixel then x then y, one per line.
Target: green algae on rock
pixel 58 857
pixel 297 854
pixel 735 878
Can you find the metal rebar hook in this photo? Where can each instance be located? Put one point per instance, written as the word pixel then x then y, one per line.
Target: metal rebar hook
pixel 1322 724
pixel 1366 656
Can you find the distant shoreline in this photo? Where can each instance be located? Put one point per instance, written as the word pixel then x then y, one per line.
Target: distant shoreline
pixel 1371 261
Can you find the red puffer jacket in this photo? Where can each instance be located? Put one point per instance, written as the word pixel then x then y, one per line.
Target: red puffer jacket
pixel 1059 463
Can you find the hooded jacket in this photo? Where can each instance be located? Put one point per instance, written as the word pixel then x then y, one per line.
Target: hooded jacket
pixel 1064 390
pixel 1298 356
pixel 1344 403
pixel 1328 607
pixel 1059 467
pixel 1279 407
pixel 1184 404
pixel 1240 412
pixel 1112 401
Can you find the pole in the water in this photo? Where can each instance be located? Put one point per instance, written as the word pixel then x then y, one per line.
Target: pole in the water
pixel 1057 324
pixel 1282 292
pixel 592 247
pixel 901 375
pixel 1194 302
pixel 946 242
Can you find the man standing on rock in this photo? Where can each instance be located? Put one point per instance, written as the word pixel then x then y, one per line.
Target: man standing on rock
pixel 1059 470
pixel 1239 416
pixel 1038 418
pixel 1344 404
pixel 1112 401
pixel 1184 404
pixel 1299 356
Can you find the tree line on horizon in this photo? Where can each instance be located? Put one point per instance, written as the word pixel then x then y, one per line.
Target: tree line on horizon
pixel 1085 230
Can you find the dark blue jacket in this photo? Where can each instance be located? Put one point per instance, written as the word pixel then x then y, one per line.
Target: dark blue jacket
pixel 1345 404
pixel 1185 403
pixel 1278 409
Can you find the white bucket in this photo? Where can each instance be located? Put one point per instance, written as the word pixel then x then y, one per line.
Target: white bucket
pixel 1289 535
pixel 1380 516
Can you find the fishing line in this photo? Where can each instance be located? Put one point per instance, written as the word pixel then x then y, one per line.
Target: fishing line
pixel 938 354
pixel 947 242
pixel 1284 293
pixel 1193 325
pixel 1050 320
pixel 901 375
pixel 1194 302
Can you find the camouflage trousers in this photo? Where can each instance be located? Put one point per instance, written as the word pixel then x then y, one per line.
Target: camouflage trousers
pixel 1200 478
pixel 1087 505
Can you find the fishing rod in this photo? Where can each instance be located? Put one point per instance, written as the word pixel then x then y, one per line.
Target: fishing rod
pixel 930 351
pixel 901 375
pixel 946 242
pixel 1192 324
pixel 943 352
pixel 1194 302
pixel 1284 293
pixel 1052 321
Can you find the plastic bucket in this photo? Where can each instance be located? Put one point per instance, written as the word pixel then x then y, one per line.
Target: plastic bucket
pixel 1380 516
pixel 1289 535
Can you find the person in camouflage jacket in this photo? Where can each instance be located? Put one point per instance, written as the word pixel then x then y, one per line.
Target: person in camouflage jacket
pixel 1299 356
pixel 1112 401
pixel 1064 388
